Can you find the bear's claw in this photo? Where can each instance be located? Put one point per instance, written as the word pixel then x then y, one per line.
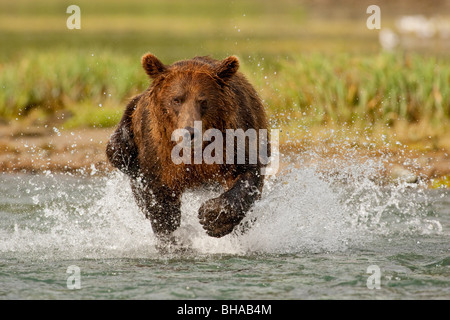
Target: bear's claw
pixel 219 217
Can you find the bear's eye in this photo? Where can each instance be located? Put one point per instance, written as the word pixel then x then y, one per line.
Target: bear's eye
pixel 203 105
pixel 176 101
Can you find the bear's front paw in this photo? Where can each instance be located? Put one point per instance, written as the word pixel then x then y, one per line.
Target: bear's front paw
pixel 219 216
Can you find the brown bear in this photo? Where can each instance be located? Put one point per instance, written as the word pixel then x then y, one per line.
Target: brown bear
pixel 199 89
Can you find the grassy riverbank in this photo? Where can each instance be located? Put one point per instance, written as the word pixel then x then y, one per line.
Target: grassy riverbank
pixel 383 93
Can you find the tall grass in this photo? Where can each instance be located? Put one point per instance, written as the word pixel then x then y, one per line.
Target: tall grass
pixel 348 89
pixel 381 88
pixel 78 82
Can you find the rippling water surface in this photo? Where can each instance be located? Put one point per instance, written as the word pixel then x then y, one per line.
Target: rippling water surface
pixel 312 235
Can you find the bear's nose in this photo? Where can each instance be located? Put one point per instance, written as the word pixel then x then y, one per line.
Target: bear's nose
pixel 191 131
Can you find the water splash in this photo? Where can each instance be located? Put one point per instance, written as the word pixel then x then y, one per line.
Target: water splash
pixel 304 209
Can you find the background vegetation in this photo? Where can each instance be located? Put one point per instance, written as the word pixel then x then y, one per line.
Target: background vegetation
pixel 315 63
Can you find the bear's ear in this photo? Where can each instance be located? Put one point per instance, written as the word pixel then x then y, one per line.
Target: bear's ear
pixel 227 68
pixel 152 66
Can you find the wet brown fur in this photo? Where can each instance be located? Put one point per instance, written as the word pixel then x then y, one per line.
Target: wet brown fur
pixel 141 146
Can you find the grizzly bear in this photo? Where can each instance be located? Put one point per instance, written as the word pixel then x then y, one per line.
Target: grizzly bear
pixel 198 89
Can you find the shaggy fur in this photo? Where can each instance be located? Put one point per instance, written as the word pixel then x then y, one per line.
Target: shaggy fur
pixel 203 89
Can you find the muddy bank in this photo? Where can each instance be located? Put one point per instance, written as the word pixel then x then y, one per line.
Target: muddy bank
pixel 40 149
pixel 37 149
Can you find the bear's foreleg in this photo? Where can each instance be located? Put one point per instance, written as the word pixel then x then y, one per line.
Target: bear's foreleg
pixel 161 207
pixel 220 215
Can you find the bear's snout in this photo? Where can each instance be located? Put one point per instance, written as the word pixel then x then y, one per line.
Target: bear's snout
pixel 187 115
pixel 190 133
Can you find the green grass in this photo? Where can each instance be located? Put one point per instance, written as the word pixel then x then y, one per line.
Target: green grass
pixel 317 88
pixel 172 29
pixel 348 89
pixel 312 68
pixel 77 82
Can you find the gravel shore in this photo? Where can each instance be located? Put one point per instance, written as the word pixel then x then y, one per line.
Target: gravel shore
pixel 40 149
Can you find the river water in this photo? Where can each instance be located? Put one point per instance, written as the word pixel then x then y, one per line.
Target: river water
pixel 311 236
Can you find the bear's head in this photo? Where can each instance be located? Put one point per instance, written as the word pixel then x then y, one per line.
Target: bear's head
pixel 199 89
pixel 191 90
